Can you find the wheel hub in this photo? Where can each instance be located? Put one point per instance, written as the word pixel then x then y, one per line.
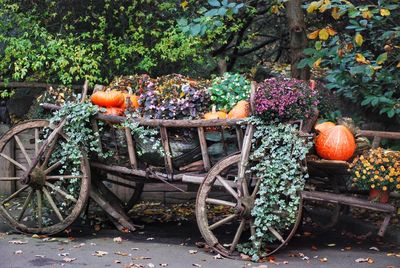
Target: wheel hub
pixel 246 205
pixel 37 178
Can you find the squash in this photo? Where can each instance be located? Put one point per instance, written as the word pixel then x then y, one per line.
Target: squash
pixel 215 115
pixel 134 101
pixel 111 98
pixel 335 143
pixel 323 126
pixel 114 111
pixel 240 110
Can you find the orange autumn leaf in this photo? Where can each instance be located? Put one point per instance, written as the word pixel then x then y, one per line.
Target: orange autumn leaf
pixel 313 35
pixel 317 63
pixel 331 31
pixel 367 14
pixel 349 47
pixel 361 59
pixel 335 13
pixel 398 65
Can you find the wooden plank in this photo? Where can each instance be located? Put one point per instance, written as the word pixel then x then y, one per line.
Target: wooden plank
pixel 347 200
pixel 167 150
pixel 198 179
pixel 382 134
pixel 7 169
pixel 376 142
pixel 239 136
pixel 204 149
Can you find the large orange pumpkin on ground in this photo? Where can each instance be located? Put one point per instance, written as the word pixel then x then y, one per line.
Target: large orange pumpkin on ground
pixel 323 126
pixel 336 143
pixel 240 110
pixel 111 98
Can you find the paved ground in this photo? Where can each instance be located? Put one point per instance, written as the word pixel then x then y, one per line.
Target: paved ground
pixel 170 244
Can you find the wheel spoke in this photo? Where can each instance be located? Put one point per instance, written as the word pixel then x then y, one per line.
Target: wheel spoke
pixel 39 208
pixel 10 178
pixel 245 187
pixel 65 177
pixel 52 204
pixel 222 222
pixel 49 151
pixel 253 195
pixel 22 148
pixel 53 167
pixel 276 234
pixel 227 187
pixel 14 194
pixel 220 202
pixel 25 206
pixel 237 235
pixel 13 161
pixel 37 140
pixel 61 192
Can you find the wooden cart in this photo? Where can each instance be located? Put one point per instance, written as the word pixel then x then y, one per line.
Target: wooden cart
pixel 47 201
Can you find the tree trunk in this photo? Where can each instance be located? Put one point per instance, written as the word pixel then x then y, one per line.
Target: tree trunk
pixel 298 38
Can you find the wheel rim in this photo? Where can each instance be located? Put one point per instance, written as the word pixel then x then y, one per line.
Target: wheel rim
pixel 238 219
pixel 52 200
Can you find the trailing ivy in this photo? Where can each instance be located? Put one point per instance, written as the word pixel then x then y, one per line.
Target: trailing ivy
pixel 277 153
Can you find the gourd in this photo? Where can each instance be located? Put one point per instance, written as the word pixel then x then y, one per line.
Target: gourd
pixel 323 126
pixel 110 98
pixel 335 143
pixel 240 110
pixel 215 114
pixel 134 101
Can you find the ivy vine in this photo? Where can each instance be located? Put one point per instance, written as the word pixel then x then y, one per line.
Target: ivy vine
pixel 277 153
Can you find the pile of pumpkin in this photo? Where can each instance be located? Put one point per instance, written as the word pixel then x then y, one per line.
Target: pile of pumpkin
pixel 334 142
pixel 116 102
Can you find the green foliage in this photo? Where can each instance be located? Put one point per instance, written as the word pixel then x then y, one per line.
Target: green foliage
pixel 277 153
pixel 6 93
pixel 227 90
pixel 61 41
pixel 361 50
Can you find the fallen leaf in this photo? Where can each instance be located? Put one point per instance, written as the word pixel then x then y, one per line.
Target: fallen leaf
pixel 245 257
pixel 17 242
pixel 150 238
pixel 39 256
pixel 261 266
pixel 196 265
pixel 63 254
pixel 150 265
pixel 141 258
pixel 66 259
pixel 218 257
pixel 119 253
pixel 117 261
pixel 93 244
pixel 361 260
pixel 374 248
pixel 331 245
pixel 314 248
pixel 80 245
pixel 100 253
pixel 117 239
pixel 163 264
pixel 18 252
pixel 192 251
pixel 285 262
pixel 323 260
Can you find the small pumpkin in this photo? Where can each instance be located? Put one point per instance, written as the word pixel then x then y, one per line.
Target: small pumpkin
pixel 215 114
pixel 335 143
pixel 114 111
pixel 112 98
pixel 323 126
pixel 134 101
pixel 240 110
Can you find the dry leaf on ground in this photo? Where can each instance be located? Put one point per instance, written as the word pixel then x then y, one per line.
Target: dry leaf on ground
pixel 18 242
pixel 66 259
pixel 100 253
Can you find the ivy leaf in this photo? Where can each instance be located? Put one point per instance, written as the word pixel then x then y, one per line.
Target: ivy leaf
pixel 359 39
pixel 384 12
pixel 214 3
pixel 323 34
pixel 313 35
pixel 382 58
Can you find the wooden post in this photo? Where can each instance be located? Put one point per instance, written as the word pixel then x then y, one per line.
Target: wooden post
pixel 7 169
pixel 239 136
pixel 204 149
pixel 167 150
pixel 131 148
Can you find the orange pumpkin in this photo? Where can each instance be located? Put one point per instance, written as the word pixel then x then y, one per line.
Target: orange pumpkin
pixel 134 101
pixel 323 126
pixel 114 111
pixel 336 143
pixel 215 115
pixel 111 98
pixel 240 110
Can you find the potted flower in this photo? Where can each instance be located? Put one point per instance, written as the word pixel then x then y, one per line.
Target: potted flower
pixel 377 171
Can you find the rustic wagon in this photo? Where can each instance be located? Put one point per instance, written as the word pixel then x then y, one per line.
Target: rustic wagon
pixel 47 200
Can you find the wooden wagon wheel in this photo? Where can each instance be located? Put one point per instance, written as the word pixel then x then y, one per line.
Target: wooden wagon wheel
pixel 53 199
pixel 236 225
